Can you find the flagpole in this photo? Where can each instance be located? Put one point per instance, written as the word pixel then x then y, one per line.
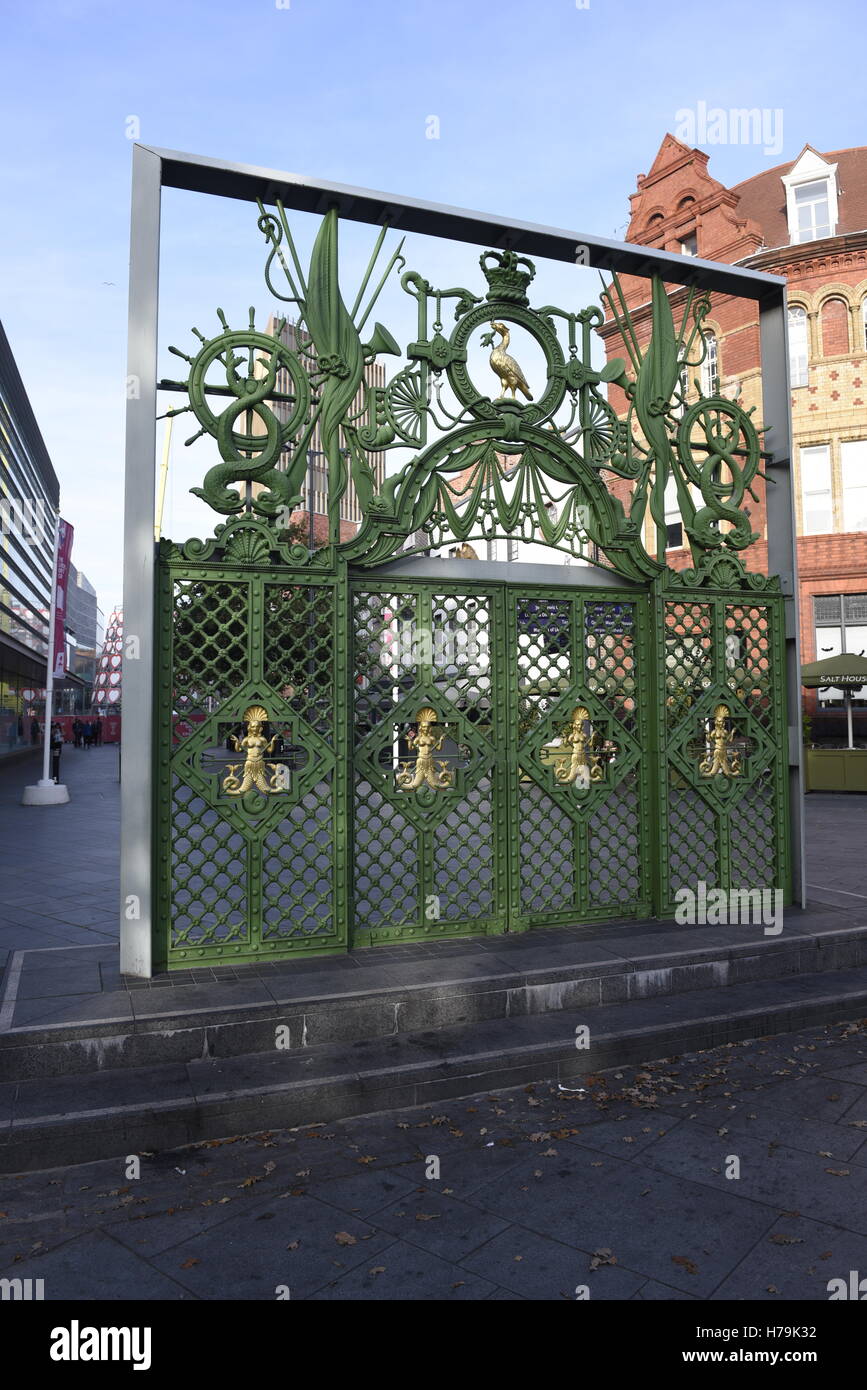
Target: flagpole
pixel 49 683
pixel 46 792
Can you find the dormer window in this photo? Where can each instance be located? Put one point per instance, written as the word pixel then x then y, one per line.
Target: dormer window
pixel 811 198
pixel 812 211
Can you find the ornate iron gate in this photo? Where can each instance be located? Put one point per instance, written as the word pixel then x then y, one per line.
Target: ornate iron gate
pixel 533 805
pixel 351 753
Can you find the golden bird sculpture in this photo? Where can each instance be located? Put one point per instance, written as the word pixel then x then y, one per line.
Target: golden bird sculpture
pixel 505 367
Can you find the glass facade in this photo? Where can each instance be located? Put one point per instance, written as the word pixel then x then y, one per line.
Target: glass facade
pixel 28 508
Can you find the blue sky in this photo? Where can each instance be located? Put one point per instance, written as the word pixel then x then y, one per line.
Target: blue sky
pixel 546 112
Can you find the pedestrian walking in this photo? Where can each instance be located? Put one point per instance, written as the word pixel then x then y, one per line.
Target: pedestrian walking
pixel 97 732
pixel 87 731
pixel 56 750
pixel 77 730
pixel 34 732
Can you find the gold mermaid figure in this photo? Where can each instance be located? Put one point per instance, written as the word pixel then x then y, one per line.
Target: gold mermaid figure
pixel 425 743
pixel 579 750
pixel 720 758
pixel 255 747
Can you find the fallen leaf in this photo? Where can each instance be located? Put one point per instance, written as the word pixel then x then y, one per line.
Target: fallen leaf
pixel 293 1245
pixel 188 1264
pixel 602 1257
pixel 426 1216
pixel 838 1172
pixel 782 1239
pixel 344 1238
pixel 685 1263
pixel 377 1269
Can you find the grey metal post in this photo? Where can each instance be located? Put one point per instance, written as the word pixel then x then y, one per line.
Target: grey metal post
pixel 783 548
pixel 138 571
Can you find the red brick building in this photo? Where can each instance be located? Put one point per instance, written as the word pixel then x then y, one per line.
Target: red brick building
pixel 806 220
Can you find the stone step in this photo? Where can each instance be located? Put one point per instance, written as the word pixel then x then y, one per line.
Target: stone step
pixel 119 1111
pixel 383 992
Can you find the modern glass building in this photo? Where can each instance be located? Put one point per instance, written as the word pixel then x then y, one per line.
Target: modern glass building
pixel 29 497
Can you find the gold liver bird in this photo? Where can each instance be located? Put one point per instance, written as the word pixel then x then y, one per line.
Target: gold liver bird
pixel 506 368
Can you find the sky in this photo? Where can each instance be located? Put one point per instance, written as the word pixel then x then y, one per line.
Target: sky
pixel 545 112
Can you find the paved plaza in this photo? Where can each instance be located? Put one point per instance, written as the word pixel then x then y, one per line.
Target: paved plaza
pixel 623 1188
pixel 619 1191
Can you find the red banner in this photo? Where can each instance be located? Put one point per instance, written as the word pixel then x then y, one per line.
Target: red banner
pixel 64 551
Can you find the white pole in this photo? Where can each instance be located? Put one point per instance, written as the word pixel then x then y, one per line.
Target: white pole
pixel 848 698
pixel 49 684
pixel 46 792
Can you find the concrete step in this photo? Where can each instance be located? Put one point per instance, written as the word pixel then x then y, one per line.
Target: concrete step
pixel 113 1112
pixel 382 992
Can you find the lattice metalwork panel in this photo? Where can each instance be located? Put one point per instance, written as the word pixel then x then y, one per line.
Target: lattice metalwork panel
pixel 387 645
pixel 749 659
pixel 387 867
pixel 614 848
pixel 463 864
pixel 298 650
pixel 693 837
pixel 579 821
pixel 753 849
pixel 610 637
pixel 546 667
pixel 208 867
pixel 460 651
pixel 547 853
pixel 689 668
pixel 209 647
pixel 298 870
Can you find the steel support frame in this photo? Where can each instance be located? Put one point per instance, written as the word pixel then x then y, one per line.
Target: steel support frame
pixel 155 169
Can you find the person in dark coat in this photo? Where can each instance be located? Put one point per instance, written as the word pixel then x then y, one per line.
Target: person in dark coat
pixel 56 750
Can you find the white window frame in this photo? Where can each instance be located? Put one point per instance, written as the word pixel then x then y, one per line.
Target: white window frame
pixel 810 168
pixel 809 458
pixel 799 365
pixel 684 247
pixel 710 365
pixel 833 638
pixel 673 515
pixel 853 473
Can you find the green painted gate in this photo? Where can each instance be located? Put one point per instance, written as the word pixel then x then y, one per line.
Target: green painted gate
pixel 361 742
pixel 507 844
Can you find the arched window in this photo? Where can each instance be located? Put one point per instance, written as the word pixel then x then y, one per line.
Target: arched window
pixel 710 366
pixel 798 346
pixel 835 327
pixel 864 323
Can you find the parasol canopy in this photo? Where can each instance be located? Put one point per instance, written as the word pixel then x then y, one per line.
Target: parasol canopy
pixel 843 670
pixel 846 671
